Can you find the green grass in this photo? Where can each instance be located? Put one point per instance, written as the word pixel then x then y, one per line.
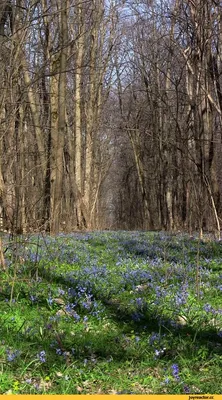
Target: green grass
pixel 111 312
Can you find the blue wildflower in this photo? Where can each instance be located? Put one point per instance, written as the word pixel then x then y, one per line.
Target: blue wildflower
pixel 33 298
pixel 159 353
pixel 71 292
pixel 42 356
pixel 153 338
pixel 69 308
pixel 95 304
pixel 186 389
pixel 76 316
pixel 136 316
pixel 175 371
pixel 179 300
pixel 208 308
pixel 61 292
pixel 36 386
pixel 50 301
pixel 139 302
pixel 12 355
pixel 86 305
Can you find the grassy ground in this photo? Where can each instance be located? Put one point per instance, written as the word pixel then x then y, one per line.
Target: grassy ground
pixel 111 312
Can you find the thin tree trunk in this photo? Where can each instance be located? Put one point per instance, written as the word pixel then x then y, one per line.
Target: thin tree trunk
pixel 59 110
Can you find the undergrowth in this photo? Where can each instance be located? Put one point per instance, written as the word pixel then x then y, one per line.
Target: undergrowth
pixel 111 312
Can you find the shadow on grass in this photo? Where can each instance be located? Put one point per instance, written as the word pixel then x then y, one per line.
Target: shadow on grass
pixel 122 315
pixel 152 323
pixel 170 250
pixel 139 322
pixel 84 347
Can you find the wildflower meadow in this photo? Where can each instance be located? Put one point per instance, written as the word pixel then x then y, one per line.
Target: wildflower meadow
pixel 111 313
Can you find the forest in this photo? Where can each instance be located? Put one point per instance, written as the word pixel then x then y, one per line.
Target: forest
pixel 110 197
pixel 110 115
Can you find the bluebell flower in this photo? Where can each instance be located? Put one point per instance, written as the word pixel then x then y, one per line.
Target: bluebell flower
pixel 159 353
pixel 61 292
pixel 208 308
pixel 12 355
pixel 175 371
pixel 36 386
pixel 86 305
pixel 158 291
pixel 139 302
pixel 42 356
pixel 153 338
pixel 180 299
pixel 186 389
pixel 71 292
pixel 136 316
pixel 76 316
pixel 50 301
pixel 69 307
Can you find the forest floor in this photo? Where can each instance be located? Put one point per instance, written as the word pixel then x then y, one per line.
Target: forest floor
pixel 111 312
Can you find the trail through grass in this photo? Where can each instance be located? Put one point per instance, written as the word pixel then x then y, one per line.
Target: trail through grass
pixel 111 312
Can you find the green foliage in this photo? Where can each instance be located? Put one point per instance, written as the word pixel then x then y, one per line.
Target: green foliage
pixel 111 312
